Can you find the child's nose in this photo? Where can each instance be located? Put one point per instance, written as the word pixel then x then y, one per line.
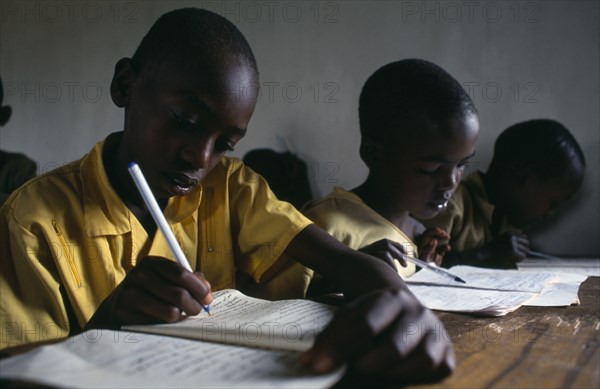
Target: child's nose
pixel 450 179
pixel 198 156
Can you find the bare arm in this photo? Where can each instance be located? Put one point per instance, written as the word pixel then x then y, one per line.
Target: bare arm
pixel 316 249
pixel 383 331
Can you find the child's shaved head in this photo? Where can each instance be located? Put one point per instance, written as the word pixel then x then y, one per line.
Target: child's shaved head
pixel 193 36
pixel 544 146
pixel 405 93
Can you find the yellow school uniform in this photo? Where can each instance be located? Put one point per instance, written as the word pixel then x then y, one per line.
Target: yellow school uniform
pixel 348 219
pixel 468 217
pixel 68 240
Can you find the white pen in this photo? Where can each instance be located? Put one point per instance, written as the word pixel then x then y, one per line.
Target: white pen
pixel 541 255
pixel 431 267
pixel 159 218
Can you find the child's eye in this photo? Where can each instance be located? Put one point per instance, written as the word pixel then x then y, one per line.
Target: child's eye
pixel 225 145
pixel 428 171
pixel 185 123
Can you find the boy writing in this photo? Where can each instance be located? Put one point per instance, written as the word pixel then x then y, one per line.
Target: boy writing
pixel 418 131
pixel 536 166
pixel 79 249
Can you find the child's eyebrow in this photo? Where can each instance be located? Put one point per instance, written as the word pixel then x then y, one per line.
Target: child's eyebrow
pixel 241 132
pixel 195 100
pixel 445 160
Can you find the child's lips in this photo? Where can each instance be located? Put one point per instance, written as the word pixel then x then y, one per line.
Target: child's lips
pixel 439 204
pixel 180 184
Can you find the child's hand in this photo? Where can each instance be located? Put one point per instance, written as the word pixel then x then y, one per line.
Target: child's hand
pixel 386 333
pixel 507 249
pixel 430 249
pixel 156 290
pixel 388 251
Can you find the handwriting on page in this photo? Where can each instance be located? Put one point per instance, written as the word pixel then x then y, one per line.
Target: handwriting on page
pixel 492 279
pixel 156 361
pixel 242 320
pixel 476 301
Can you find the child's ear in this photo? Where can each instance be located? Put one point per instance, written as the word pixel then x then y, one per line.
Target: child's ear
pixel 122 82
pixel 5 113
pixel 371 153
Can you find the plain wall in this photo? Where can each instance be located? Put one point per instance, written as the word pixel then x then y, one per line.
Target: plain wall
pixel 518 61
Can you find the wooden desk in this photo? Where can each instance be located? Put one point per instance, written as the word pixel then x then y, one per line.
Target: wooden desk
pixel 533 347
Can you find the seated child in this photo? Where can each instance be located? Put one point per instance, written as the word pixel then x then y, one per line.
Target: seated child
pixel 285 173
pixel 418 130
pixel 537 165
pixel 80 250
pixel 15 168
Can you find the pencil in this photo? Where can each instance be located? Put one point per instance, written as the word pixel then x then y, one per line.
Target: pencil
pixel 159 218
pixel 428 266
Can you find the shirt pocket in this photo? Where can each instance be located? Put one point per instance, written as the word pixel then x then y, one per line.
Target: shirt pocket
pixel 67 254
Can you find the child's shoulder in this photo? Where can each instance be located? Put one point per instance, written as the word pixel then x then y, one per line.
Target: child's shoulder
pixel 234 170
pixel 47 193
pixel 338 198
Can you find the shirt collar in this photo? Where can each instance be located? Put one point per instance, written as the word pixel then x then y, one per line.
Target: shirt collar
pixel 106 213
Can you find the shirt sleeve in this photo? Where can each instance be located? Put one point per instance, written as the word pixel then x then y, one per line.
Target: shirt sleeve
pixel 264 225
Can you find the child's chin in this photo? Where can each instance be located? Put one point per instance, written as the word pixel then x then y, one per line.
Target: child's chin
pixel 427 213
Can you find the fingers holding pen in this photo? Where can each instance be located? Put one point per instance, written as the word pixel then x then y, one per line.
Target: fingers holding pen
pixel 208 299
pixel 433 245
pixel 388 251
pixel 156 290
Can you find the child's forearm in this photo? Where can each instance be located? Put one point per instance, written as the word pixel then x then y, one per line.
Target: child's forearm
pixel 355 273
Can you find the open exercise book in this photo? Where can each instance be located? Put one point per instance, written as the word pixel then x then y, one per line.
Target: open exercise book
pixel 246 342
pixel 492 292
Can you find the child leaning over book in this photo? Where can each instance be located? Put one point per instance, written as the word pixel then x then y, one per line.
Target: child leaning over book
pixel 537 165
pixel 418 131
pixel 79 249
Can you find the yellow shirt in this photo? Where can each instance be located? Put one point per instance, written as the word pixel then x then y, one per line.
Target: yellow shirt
pixel 468 217
pixel 68 240
pixel 348 219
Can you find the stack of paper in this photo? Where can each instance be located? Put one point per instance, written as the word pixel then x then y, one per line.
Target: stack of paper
pixel 233 357
pixel 492 292
pixel 586 266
